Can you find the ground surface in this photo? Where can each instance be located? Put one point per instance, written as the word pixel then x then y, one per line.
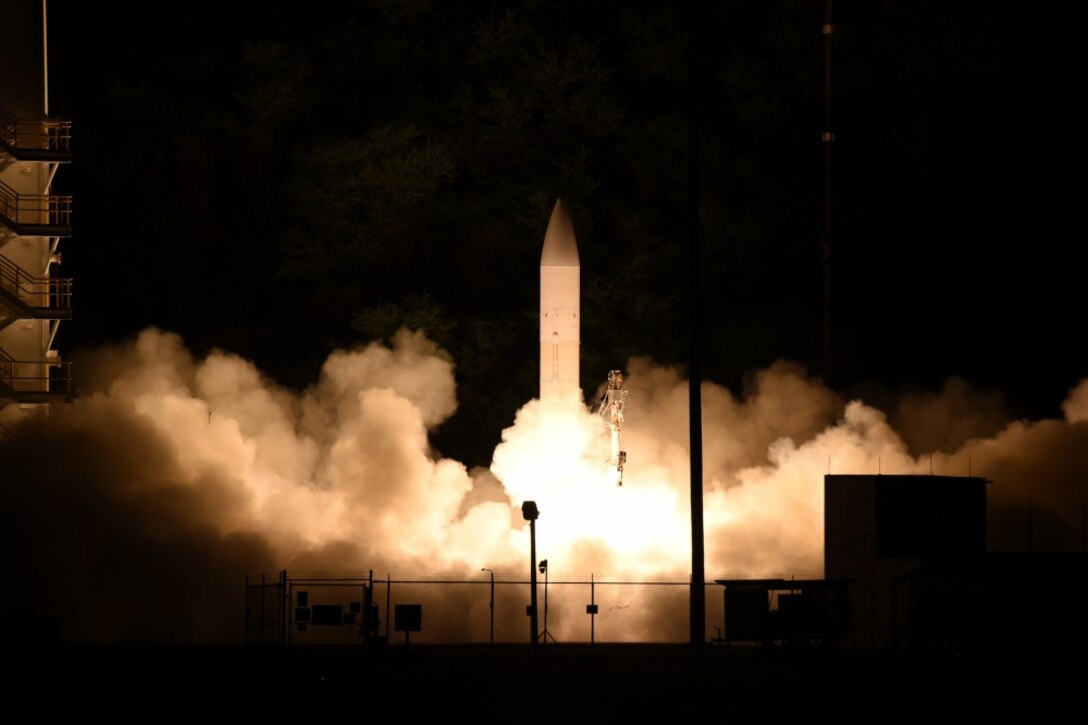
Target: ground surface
pixel 552 683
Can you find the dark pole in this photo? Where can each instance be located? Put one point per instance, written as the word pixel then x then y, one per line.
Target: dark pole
pixel 695 425
pixel 545 606
pixel 825 242
pixel 491 606
pixel 593 608
pixel 532 596
pixel 530 512
pixel 285 603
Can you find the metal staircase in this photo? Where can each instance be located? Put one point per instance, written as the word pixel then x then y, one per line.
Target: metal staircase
pixel 34 381
pixel 35 215
pixel 34 140
pixel 39 141
pixel 31 372
pixel 24 296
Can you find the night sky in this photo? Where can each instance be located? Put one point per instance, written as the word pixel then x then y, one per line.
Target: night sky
pixel 268 202
pixel 281 184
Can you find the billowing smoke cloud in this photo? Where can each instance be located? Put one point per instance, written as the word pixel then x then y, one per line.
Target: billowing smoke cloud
pixel 140 509
pixel 135 514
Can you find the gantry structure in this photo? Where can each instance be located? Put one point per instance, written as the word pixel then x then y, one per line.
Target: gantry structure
pixel 34 297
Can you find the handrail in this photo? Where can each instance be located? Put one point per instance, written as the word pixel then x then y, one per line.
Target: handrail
pixel 26 375
pixel 35 291
pixel 39 134
pixel 47 209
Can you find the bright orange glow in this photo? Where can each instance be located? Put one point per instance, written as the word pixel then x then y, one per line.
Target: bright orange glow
pixel 195 456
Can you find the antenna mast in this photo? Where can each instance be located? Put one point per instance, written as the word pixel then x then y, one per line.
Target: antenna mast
pixel 828 141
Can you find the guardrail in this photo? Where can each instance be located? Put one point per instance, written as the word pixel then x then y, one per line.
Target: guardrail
pixel 40 292
pixel 50 377
pixel 35 209
pixel 38 134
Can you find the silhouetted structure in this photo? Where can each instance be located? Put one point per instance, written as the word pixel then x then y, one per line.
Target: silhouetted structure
pixel 906 570
pixel 913 549
pixel 879 528
pixel 1000 603
pixel 786 612
pixel 33 219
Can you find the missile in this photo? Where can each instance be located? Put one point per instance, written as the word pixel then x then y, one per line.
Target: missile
pixel 560 310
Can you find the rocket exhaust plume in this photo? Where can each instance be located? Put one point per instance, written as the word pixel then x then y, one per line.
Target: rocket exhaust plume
pixel 135 514
pixel 178 476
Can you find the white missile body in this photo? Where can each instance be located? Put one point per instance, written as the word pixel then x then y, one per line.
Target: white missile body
pixel 560 313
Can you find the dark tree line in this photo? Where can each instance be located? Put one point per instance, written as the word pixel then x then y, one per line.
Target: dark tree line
pixel 281 182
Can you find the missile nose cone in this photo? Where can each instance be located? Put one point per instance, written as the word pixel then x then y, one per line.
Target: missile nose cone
pixel 560 246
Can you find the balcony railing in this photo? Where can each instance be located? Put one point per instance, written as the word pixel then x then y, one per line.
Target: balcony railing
pixel 34 381
pixel 35 292
pixel 45 214
pixel 38 139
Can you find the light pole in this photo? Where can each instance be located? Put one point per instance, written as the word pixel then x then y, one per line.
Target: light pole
pixel 491 605
pixel 544 570
pixel 530 512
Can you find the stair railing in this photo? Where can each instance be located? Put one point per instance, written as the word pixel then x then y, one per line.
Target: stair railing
pixel 48 376
pixel 38 292
pixel 39 134
pixel 51 209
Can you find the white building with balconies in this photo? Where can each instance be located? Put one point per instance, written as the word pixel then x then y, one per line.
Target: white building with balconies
pixel 34 297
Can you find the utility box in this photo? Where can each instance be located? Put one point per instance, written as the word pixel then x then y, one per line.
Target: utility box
pixel 408 617
pixel 746 610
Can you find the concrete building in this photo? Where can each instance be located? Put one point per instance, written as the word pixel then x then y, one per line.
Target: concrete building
pixel 913 552
pixel 907 569
pixel 34 297
pixel 878 529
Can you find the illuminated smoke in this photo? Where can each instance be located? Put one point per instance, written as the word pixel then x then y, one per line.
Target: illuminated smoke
pixel 1075 406
pixel 135 513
